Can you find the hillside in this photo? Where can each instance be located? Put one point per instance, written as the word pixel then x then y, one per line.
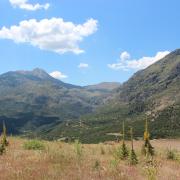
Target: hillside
pixel 151 93
pixel 31 99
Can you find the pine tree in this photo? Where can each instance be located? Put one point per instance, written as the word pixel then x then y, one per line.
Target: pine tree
pixel 147 148
pixel 133 158
pixel 4 137
pixel 123 150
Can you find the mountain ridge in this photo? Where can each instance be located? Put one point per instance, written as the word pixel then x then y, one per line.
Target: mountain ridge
pixel 34 99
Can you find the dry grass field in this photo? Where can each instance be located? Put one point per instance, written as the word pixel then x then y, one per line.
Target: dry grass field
pixel 63 161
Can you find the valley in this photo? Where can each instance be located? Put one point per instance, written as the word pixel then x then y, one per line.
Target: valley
pixel 33 104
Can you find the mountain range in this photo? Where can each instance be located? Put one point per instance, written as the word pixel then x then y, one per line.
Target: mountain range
pixel 30 99
pixel 32 103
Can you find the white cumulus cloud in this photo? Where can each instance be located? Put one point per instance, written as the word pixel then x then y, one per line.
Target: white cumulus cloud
pixel 24 4
pixel 58 75
pixel 83 65
pixel 50 34
pixel 124 56
pixel 127 63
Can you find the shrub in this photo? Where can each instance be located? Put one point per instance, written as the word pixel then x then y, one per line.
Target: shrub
pixel 96 165
pixel 116 153
pixel 133 158
pixel 114 163
pixel 2 149
pixel 147 148
pixel 102 150
pixel 4 141
pixel 151 172
pixel 171 154
pixel 34 145
pixel 123 151
pixel 4 136
pixel 78 149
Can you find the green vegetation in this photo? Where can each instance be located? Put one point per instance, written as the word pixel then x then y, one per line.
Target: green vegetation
pixel 132 157
pixel 147 148
pixel 97 165
pixel 151 172
pixel 34 145
pixel 171 154
pixel 2 149
pixel 4 141
pixel 4 138
pixel 102 150
pixel 78 149
pixel 123 150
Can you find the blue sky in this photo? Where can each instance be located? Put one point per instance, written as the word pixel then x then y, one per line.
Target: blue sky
pixel 93 40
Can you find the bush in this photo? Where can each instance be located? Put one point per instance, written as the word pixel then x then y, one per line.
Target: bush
pixel 114 163
pixel 116 153
pixel 4 139
pixel 2 149
pixel 151 172
pixel 102 150
pixel 147 148
pixel 78 149
pixel 171 154
pixel 124 151
pixel 96 165
pixel 34 145
pixel 133 158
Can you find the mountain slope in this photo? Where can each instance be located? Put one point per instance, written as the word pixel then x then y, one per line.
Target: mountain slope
pixel 31 99
pixel 154 91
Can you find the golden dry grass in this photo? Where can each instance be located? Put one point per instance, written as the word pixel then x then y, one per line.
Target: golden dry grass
pixel 60 162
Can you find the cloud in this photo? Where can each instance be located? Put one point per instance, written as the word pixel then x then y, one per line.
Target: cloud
pixel 23 4
pixel 58 75
pixel 50 34
pixel 124 56
pixel 126 63
pixel 83 65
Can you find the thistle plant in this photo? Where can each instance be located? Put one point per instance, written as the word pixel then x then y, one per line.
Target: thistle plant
pixel 132 158
pixel 147 148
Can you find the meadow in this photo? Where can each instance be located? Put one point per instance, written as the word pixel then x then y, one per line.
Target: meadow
pixel 24 159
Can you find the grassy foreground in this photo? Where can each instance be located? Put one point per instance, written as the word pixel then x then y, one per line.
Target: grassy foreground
pixel 63 161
